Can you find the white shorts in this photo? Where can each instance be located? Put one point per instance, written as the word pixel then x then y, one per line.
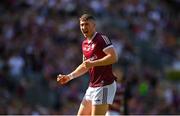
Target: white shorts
pixel 112 113
pixel 101 95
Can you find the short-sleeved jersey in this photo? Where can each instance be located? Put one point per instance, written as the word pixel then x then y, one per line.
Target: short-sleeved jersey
pixel 93 50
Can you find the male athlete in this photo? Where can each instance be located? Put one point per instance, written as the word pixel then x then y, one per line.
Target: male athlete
pixel 98 57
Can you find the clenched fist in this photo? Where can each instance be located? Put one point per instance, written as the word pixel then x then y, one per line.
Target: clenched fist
pixel 63 79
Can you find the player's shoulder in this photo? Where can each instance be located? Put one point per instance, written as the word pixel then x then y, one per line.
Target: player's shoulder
pixel 101 35
pixel 103 38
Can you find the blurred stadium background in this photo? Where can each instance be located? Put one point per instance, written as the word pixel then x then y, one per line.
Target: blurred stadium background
pixel 41 38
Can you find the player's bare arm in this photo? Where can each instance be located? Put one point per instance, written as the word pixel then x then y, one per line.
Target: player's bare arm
pixel 110 58
pixel 80 70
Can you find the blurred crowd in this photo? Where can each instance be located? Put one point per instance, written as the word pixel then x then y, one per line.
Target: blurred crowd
pixel 41 38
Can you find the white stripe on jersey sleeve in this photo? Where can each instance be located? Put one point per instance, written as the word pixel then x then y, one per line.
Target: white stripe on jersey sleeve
pixel 111 46
pixel 106 39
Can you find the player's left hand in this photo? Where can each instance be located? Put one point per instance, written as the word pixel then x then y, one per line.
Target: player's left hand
pixel 62 79
pixel 88 64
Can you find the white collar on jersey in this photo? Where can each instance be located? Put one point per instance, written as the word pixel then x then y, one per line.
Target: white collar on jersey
pixel 89 40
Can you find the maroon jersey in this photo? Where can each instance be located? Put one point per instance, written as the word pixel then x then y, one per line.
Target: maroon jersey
pixel 93 50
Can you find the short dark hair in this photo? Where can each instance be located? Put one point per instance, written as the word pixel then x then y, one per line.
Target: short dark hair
pixel 86 17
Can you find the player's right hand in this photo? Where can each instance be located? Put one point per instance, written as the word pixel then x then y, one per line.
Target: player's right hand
pixel 62 79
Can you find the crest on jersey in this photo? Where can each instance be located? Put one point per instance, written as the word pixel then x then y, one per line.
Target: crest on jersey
pixel 88 48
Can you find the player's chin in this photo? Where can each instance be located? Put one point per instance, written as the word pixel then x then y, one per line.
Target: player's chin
pixel 85 34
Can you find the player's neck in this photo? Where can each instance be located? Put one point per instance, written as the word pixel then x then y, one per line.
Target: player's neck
pixel 92 36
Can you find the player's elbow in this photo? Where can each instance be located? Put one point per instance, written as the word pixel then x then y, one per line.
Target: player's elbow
pixel 115 57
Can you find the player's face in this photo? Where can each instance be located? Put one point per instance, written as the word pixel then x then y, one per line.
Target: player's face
pixel 87 28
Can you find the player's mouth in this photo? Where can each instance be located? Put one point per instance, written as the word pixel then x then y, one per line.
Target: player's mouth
pixel 85 32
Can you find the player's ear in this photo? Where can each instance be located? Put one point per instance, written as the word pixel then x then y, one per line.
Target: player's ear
pixel 94 24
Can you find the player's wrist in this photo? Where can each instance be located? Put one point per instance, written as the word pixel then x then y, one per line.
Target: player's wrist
pixel 94 63
pixel 71 76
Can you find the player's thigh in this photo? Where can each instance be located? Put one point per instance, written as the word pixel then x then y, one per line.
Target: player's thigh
pixel 99 109
pixel 85 108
